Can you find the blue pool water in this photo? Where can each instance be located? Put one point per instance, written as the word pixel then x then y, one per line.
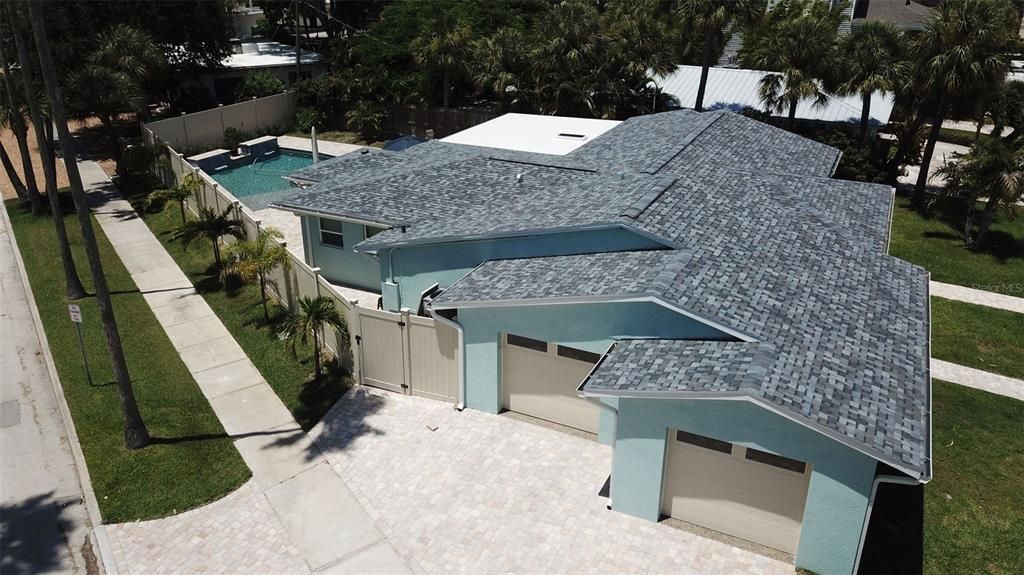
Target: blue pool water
pixel 263 176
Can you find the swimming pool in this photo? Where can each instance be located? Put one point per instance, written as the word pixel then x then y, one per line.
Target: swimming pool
pixel 263 176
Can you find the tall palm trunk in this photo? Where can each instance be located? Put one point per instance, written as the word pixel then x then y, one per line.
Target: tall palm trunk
pixel 316 353
pixel 865 116
pixel 929 150
pixel 893 167
pixel 263 298
pixel 12 174
pixel 705 68
pixel 791 119
pixel 135 433
pixel 20 130
pixel 73 287
pixel 447 93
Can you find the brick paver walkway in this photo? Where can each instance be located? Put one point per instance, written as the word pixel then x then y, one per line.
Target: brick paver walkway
pixel 470 492
pixel 977 296
pixel 237 534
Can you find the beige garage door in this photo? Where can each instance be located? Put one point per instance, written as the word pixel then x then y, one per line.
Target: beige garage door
pixel 539 379
pixel 740 491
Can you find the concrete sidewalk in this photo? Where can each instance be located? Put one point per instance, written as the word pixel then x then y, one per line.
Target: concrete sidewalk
pixel 978 379
pixel 44 522
pixel 322 517
pixel 977 296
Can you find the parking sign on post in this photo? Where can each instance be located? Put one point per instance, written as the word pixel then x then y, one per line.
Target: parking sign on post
pixel 75 311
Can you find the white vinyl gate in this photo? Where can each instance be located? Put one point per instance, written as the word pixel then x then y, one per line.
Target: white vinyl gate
pixel 408 354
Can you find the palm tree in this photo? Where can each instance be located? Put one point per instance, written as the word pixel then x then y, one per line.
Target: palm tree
pixel 799 51
pixel 709 19
pixel 211 225
pixel 313 316
pixel 872 55
pixel 991 172
pixel 105 93
pixel 180 193
pixel 445 47
pixel 13 116
pixel 961 52
pixel 129 51
pixel 254 260
pixel 135 433
pixel 500 62
pixel 73 287
pixel 567 61
pixel 366 118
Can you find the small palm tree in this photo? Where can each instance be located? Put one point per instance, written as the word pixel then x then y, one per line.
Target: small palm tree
pixel 313 316
pixel 993 172
pixel 872 55
pixel 254 260
pixel 211 225
pixel 180 193
pixel 366 118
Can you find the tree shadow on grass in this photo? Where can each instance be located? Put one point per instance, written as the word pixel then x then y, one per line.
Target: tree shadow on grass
pixel 32 535
pixel 952 212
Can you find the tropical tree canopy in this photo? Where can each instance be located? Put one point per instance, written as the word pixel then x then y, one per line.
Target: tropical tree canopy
pixel 872 60
pixel 991 172
pixel 211 225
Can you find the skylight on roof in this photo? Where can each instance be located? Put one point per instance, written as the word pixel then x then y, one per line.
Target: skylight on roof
pixel 569 136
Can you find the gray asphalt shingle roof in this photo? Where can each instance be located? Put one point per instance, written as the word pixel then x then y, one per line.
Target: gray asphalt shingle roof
pixel 771 249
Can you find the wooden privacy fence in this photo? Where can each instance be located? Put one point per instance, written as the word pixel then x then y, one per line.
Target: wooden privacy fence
pixel 395 351
pixel 206 129
pixel 415 121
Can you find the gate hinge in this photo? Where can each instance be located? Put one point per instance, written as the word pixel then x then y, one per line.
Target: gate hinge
pixel 359 339
pixel 401 324
pixel 405 386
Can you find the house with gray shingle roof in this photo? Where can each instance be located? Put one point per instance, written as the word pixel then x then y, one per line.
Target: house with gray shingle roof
pixel 693 290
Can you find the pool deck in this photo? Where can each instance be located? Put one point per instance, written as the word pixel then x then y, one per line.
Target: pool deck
pixel 322 146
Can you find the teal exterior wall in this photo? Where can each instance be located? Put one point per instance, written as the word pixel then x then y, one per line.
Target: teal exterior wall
pixel 337 264
pixel 841 477
pixel 587 326
pixel 416 268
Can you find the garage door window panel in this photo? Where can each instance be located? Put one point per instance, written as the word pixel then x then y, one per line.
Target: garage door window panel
pixel 528 343
pixel 705 442
pixel 776 460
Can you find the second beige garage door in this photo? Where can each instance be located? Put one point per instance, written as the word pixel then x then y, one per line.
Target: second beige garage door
pixel 736 490
pixel 539 379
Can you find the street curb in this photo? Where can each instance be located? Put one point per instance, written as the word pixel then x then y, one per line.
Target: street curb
pixel 97 531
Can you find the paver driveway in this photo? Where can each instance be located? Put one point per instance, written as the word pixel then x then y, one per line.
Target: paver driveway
pixel 479 493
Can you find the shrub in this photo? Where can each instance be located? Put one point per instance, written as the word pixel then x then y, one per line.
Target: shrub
pixel 233 137
pixel 137 159
pixel 259 84
pixel 306 118
pixel 366 118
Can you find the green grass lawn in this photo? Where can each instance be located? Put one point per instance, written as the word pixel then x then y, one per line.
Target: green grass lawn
pixel 238 307
pixel 961 137
pixel 978 336
pixel 191 460
pixel 340 136
pixel 974 508
pixel 936 244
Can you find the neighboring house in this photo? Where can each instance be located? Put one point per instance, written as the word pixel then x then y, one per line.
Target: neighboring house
pixel 273 57
pixel 910 15
pixel 693 288
pixel 735 89
pixel 245 16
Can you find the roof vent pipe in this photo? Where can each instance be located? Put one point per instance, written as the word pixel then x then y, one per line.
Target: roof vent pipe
pixel 403 229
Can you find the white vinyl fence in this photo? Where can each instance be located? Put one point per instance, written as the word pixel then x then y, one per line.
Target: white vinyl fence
pixel 206 129
pixel 396 351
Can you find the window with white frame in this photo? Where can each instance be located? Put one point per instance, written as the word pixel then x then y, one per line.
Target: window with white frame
pixel 331 233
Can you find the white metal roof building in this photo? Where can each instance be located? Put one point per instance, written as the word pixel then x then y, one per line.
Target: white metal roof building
pixel 734 89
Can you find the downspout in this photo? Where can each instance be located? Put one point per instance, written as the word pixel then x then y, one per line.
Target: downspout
pixel 895 479
pixel 462 356
pixel 613 411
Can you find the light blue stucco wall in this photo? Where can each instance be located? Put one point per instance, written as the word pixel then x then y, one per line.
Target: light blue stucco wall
pixel 341 265
pixel 840 484
pixel 587 326
pixel 416 268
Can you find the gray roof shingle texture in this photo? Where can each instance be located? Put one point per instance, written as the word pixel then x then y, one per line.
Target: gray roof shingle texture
pixel 770 248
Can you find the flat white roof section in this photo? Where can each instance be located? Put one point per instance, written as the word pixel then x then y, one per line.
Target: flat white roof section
pixel 556 135
pixel 734 89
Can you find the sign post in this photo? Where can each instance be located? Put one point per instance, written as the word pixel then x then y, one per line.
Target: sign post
pixel 76 317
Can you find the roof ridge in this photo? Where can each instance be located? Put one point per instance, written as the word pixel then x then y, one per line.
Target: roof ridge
pixel 707 120
pixel 657 188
